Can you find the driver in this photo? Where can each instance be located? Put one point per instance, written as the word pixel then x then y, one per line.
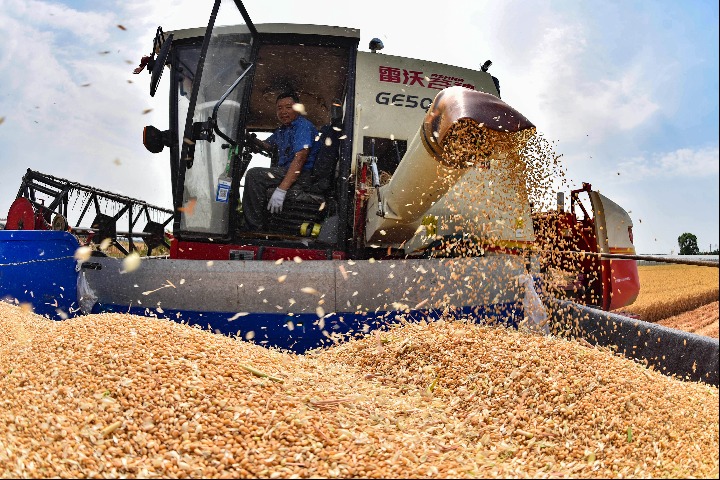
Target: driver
pixel 297 149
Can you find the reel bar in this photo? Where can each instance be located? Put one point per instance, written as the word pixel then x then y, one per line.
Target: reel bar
pixel 60 190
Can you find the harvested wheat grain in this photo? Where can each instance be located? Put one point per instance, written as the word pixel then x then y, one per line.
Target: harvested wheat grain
pixel 118 395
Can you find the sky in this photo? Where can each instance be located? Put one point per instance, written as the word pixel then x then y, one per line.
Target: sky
pixel 627 91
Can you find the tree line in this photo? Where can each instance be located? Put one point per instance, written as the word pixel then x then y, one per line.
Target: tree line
pixel 689 246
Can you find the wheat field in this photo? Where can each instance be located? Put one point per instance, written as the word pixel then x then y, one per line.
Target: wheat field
pixel 669 290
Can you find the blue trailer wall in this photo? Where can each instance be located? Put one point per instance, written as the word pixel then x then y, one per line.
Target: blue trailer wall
pixel 38 267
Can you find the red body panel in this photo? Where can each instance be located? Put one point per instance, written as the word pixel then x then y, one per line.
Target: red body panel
pixel 624 283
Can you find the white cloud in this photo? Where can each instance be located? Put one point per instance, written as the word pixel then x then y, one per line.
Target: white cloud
pixel 145 16
pixel 684 162
pixel 572 97
pixel 57 126
pixel 87 26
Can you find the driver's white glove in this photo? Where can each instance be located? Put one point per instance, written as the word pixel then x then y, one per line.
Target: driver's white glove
pixel 276 201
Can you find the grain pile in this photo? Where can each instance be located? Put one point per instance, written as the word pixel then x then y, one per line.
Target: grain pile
pixel 118 395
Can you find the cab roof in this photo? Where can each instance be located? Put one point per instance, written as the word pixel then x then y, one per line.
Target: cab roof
pixel 273 28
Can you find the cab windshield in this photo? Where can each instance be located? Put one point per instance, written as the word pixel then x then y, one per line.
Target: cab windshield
pixel 208 140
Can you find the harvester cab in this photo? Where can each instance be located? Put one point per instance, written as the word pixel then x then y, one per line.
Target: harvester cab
pixel 225 81
pixel 378 176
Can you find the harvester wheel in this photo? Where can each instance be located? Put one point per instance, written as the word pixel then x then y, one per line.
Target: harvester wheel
pixel 156 237
pixel 21 215
pixel 59 224
pixel 105 228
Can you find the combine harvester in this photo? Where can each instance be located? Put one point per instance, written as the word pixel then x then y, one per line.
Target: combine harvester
pixel 419 208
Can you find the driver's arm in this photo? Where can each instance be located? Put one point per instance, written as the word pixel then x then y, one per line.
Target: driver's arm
pixel 294 169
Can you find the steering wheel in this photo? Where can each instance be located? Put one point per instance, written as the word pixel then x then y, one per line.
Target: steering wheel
pixel 255 145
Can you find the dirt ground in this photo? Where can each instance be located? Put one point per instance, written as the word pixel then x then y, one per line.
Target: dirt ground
pixel 703 320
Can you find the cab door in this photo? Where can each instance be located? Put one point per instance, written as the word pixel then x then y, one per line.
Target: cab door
pixel 208 190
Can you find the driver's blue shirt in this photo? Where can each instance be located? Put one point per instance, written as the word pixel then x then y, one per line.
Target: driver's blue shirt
pixel 290 139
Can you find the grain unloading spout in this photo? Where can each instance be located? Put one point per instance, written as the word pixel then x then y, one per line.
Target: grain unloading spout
pixel 459 132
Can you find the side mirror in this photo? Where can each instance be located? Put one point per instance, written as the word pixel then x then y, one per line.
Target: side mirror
pixel 155 140
pixel 159 65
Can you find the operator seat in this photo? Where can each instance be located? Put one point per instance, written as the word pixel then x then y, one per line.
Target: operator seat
pixel 314 203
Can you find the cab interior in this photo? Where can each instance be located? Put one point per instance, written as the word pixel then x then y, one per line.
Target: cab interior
pixel 318 74
pixel 320 69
